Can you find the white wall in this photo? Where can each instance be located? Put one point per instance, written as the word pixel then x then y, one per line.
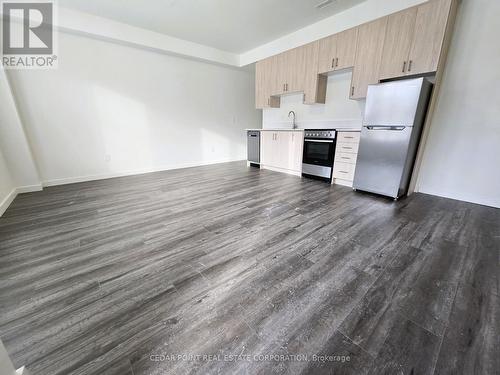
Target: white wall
pixel 338 111
pixel 13 142
pixel 7 186
pixel 111 109
pixel 462 157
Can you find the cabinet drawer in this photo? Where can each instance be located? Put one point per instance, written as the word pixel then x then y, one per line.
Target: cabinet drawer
pixel 351 148
pixel 345 157
pixel 344 171
pixel 349 137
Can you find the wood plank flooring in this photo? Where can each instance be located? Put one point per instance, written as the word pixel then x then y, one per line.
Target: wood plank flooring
pixel 257 271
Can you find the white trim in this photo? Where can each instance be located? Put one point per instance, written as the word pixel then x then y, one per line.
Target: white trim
pixel 13 194
pixel 29 189
pixel 483 201
pixel 281 170
pixel 104 176
pixel 7 201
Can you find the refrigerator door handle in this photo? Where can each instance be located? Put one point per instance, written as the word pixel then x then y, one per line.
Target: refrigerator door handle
pixel 399 128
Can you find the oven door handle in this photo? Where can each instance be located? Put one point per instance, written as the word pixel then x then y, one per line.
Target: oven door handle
pixel 317 140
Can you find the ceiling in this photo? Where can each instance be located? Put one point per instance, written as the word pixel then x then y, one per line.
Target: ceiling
pixel 230 25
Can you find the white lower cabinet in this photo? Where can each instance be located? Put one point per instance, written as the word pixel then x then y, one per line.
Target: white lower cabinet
pixel 282 151
pixel 346 155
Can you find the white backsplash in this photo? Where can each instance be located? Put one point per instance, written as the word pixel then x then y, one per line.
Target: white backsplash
pixel 338 111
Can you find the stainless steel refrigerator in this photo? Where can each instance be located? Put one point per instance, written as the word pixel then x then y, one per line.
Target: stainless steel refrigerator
pixel 394 115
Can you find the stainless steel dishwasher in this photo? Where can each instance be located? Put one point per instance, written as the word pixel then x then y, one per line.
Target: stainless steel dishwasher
pixel 253 147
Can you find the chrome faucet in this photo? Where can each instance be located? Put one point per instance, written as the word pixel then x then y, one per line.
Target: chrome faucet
pixel 293 123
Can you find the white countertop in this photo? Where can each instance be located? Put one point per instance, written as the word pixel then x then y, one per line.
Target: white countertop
pixel 301 130
pixel 277 130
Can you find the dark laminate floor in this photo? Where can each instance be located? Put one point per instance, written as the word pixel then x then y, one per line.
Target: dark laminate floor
pixel 98 277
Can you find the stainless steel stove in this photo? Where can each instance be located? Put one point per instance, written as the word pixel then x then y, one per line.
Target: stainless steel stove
pixel 319 152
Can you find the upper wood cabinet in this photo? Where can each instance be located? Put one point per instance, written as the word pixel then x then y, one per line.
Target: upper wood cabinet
pixel 337 51
pixel 398 37
pixel 428 37
pixel 368 57
pixel 406 43
pixel 314 85
pixel 414 39
pixel 346 49
pixel 328 52
pixel 265 77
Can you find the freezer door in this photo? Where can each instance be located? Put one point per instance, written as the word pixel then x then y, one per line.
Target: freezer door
pixel 381 159
pixel 393 103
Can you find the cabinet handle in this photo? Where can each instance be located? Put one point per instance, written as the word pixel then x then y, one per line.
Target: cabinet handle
pixel 404 66
pixel 352 91
pixel 333 62
pixel 337 62
pixel 409 65
pixel 287 87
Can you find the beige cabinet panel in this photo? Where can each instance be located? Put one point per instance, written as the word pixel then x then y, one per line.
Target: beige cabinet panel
pixel 346 49
pixel 264 84
pixel 260 96
pixel 398 38
pixel 344 171
pixel 267 149
pixel 314 85
pixel 278 75
pixel 327 54
pixel 368 57
pixel 297 144
pixel 296 69
pixel 284 149
pixel 428 36
pixel 337 51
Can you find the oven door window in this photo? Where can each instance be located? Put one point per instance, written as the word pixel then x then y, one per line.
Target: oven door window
pixel 318 153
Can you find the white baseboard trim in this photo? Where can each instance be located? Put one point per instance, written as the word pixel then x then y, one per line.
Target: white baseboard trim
pixel 104 176
pixel 281 170
pixel 13 194
pixel 29 189
pixel 7 201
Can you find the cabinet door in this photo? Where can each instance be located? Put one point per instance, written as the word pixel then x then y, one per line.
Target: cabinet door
pixel 296 61
pixel 297 144
pixel 264 85
pixel 346 49
pixel 283 143
pixel 327 54
pixel 400 28
pixel 260 83
pixel 430 27
pixel 368 57
pixel 314 84
pixel 276 74
pixel 267 152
